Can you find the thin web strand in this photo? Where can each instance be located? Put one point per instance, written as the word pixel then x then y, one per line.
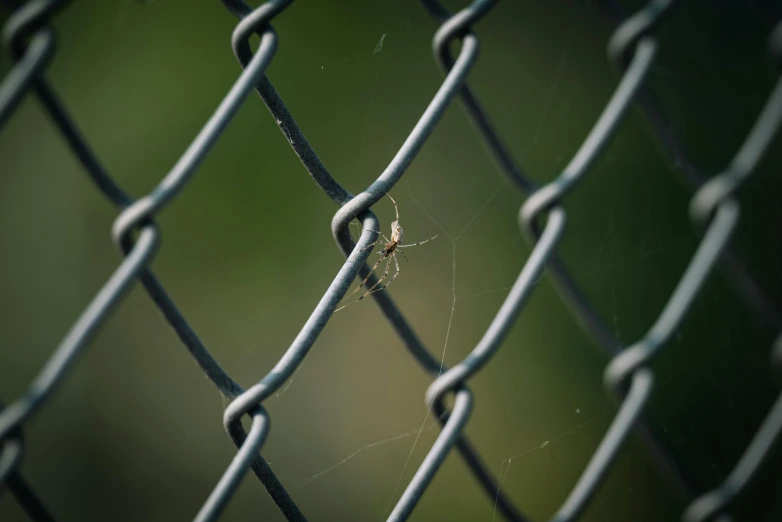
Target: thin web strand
pixel 394 438
pixel 442 363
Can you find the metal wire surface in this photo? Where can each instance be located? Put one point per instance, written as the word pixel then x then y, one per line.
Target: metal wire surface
pixel 542 218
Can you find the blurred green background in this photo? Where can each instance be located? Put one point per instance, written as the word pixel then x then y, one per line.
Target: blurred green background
pixel 136 433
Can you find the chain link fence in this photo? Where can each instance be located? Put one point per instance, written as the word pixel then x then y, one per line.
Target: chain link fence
pixel 632 50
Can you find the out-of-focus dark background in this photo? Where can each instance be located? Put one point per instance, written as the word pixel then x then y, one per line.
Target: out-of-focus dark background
pixel 136 433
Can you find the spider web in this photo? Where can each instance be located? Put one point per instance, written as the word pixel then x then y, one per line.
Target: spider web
pixel 454 235
pixel 472 273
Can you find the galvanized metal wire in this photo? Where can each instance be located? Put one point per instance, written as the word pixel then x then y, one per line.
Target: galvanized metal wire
pixel 543 219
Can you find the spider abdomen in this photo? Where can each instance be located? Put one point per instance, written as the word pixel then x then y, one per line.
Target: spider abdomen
pixel 396 233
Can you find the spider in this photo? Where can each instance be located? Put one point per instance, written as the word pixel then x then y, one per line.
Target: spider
pixel 388 252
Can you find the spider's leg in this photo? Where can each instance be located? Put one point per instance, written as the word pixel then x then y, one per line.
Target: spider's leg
pixel 396 209
pixel 364 281
pixel 403 254
pixel 396 263
pixel 420 242
pixel 379 281
pixel 381 235
pixel 371 245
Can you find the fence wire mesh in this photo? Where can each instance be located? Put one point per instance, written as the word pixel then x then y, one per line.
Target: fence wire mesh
pixel 632 50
